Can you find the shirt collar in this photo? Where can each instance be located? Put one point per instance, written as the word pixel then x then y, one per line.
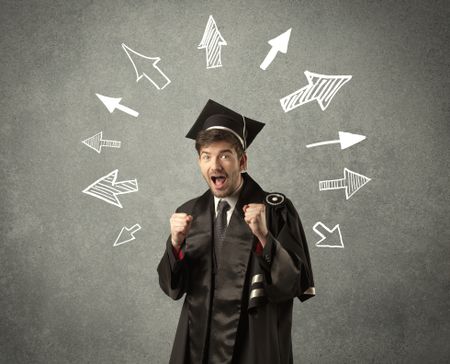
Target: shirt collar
pixel 232 200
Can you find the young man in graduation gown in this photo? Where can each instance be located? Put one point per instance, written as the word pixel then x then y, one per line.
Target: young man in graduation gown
pixel 237 253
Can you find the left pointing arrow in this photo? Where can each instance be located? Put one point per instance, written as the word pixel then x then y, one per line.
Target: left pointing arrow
pixel 113 103
pixel 127 234
pixel 106 188
pixel 96 142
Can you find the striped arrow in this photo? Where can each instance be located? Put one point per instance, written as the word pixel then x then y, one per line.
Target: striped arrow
pixel 213 41
pixel 96 142
pixel 320 87
pixel 351 182
pixel 127 234
pixel 106 188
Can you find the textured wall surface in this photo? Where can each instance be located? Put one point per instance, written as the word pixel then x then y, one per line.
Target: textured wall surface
pixel 68 296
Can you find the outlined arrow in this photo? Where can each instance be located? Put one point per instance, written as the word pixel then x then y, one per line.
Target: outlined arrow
pixel 127 234
pixel 213 41
pixel 320 87
pixel 106 188
pixel 155 75
pixel 279 44
pixel 351 182
pixel 96 142
pixel 345 139
pixel 332 236
pixel 113 103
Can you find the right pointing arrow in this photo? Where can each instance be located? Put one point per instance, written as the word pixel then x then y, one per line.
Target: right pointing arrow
pixel 345 139
pixel 334 236
pixel 351 182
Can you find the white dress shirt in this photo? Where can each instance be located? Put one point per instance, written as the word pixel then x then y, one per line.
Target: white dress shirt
pixel 232 201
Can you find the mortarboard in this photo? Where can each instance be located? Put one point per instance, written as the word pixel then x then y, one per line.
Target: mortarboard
pixel 217 116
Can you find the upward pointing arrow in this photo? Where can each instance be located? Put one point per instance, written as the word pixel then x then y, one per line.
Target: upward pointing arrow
pixel 113 103
pixel 279 44
pixel 155 75
pixel 213 41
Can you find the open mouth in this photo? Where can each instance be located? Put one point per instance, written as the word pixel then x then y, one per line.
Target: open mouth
pixel 218 180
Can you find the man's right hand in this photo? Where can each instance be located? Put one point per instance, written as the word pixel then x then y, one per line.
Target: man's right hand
pixel 180 223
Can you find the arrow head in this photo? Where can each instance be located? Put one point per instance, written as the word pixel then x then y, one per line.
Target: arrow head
pixel 281 42
pixel 111 103
pixel 333 236
pixel 354 181
pixel 349 139
pixel 94 142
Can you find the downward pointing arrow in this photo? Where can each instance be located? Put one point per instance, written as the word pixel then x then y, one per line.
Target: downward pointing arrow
pixel 279 44
pixel 113 103
pixel 331 234
pixel 127 234
pixel 345 139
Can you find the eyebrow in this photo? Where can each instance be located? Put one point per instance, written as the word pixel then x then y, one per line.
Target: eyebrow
pixel 220 151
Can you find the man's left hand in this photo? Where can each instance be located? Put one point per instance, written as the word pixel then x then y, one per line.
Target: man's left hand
pixel 255 217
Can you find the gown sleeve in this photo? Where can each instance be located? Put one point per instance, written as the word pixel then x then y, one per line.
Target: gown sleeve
pixel 285 258
pixel 173 271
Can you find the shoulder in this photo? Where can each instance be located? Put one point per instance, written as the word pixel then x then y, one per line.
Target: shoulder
pixel 277 201
pixel 188 206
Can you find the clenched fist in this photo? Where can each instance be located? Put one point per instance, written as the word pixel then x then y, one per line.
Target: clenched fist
pixel 180 223
pixel 255 217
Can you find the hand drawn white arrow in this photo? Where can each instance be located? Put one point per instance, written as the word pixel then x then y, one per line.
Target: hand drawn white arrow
pixel 320 87
pixel 279 44
pixel 346 140
pixel 157 78
pixel 96 142
pixel 113 103
pixel 351 182
pixel 127 234
pixel 326 233
pixel 106 188
pixel 213 41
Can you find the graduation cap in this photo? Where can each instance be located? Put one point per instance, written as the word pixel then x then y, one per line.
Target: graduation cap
pixel 217 116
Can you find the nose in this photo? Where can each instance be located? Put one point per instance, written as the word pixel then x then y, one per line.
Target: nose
pixel 216 164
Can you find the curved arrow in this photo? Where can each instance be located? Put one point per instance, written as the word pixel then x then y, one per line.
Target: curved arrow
pixel 279 44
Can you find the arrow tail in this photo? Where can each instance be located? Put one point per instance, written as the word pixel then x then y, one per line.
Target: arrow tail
pixel 332 184
pixel 322 143
pixel 128 110
pixel 111 143
pixel 269 58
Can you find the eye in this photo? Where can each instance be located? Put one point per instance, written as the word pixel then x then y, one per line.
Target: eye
pixel 225 156
pixel 205 157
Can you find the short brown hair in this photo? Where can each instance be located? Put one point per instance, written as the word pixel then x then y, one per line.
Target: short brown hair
pixel 207 137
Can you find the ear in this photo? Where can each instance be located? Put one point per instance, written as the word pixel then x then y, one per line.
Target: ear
pixel 243 162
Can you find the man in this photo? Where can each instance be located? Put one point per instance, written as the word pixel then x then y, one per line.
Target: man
pixel 238 253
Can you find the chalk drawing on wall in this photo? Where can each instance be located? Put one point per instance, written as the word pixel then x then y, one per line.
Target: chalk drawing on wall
pixel 345 139
pixel 330 238
pixel 152 72
pixel 127 234
pixel 351 182
pixel 97 142
pixel 213 41
pixel 278 44
pixel 320 87
pixel 113 103
pixel 107 189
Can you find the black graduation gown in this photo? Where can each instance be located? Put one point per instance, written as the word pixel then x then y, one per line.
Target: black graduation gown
pixel 240 309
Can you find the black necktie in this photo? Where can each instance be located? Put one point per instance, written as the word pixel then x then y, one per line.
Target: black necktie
pixel 220 225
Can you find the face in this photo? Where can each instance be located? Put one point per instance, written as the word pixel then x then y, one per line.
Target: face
pixel 221 168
